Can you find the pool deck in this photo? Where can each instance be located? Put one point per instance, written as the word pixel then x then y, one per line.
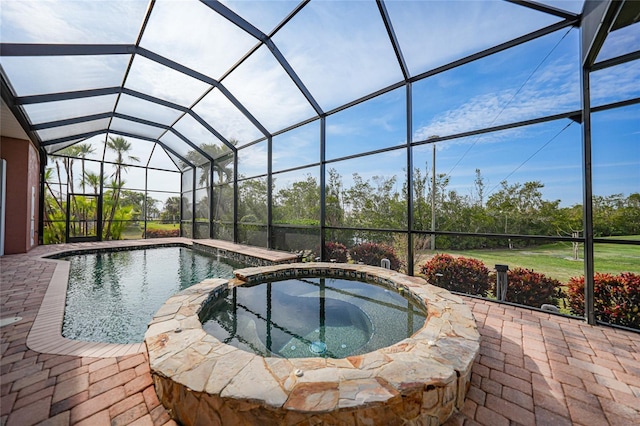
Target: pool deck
pixel 534 368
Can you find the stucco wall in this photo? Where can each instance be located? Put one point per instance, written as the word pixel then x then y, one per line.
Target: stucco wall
pixel 23 164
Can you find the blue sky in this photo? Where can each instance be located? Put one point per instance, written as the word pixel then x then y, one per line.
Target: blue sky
pixel 341 52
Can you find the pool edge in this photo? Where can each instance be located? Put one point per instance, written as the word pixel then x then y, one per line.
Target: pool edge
pixel 45 335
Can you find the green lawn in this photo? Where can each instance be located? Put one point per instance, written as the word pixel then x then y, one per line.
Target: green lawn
pixel 165 226
pixel 133 231
pixel 555 260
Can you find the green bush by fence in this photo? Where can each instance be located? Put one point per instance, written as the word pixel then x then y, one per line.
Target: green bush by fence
pixel 616 298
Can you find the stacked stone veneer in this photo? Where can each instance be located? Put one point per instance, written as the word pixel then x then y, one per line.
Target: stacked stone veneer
pixel 420 380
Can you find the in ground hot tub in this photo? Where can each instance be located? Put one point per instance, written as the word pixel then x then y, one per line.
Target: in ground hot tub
pixel 255 370
pixel 303 317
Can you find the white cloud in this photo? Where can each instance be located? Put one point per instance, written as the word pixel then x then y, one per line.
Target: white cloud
pixel 222 115
pixel 52 74
pixel 71 21
pixel 340 50
pixel 553 90
pixel 435 33
pixel 615 83
pixel 252 160
pixel 264 15
pixel 341 129
pixel 619 42
pixel 196 36
pixel 151 78
pixel 267 92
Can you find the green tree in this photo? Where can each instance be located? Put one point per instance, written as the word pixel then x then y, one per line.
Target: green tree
pixel 515 207
pixel 334 202
pixel 82 150
pixel 93 180
pixel 69 154
pixel 171 210
pixel 252 203
pixel 376 203
pixel 299 203
pixel 629 216
pixel 55 213
pixel 615 215
pixel 138 201
pixel 223 160
pixel 479 186
pixel 121 147
pixel 421 204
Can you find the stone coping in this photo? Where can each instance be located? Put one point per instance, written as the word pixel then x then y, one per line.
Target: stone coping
pixel 46 334
pixel 422 379
pixel 247 255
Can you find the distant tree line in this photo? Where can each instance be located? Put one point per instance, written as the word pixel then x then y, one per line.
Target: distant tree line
pixel 381 203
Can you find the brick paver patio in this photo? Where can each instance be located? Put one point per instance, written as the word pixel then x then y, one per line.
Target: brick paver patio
pixel 534 369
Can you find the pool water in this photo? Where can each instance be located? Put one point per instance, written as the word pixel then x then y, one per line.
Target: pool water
pixel 311 317
pixel 112 296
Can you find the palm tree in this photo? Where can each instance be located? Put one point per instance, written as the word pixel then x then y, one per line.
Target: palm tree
pixel 59 175
pixel 121 147
pixel 82 150
pixel 70 154
pixel 220 163
pixel 48 174
pixel 93 180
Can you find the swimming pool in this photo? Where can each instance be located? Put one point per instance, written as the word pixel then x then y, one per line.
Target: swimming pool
pixel 112 295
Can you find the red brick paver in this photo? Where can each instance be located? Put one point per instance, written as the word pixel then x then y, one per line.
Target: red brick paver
pixel 533 369
pixel 540 369
pixel 38 388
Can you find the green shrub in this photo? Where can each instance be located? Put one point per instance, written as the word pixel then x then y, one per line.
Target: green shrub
pixel 55 227
pixel 162 233
pixel 530 288
pixel 120 221
pixel 616 298
pixel 335 251
pixel 462 274
pixel 373 253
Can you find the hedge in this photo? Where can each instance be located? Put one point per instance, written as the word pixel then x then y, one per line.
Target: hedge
pixel 616 298
pixel 461 274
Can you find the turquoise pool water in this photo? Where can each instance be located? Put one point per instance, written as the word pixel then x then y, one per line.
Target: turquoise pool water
pixel 312 317
pixel 112 296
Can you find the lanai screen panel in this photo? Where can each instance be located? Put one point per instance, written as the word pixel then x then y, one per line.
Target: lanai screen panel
pixel 250 69
pixel 340 50
pixel 46 21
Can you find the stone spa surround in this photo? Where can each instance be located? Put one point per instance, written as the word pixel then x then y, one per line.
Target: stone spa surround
pixel 420 380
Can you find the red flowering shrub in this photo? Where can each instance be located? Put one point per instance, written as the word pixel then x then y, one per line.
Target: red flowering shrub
pixel 530 288
pixel 373 253
pixel 616 298
pixel 462 274
pixel 162 233
pixel 335 251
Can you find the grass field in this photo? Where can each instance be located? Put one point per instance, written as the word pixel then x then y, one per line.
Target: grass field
pixel 556 260
pixel 165 226
pixel 134 230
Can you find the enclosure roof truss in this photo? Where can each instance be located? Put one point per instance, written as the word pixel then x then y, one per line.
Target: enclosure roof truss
pixel 142 63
